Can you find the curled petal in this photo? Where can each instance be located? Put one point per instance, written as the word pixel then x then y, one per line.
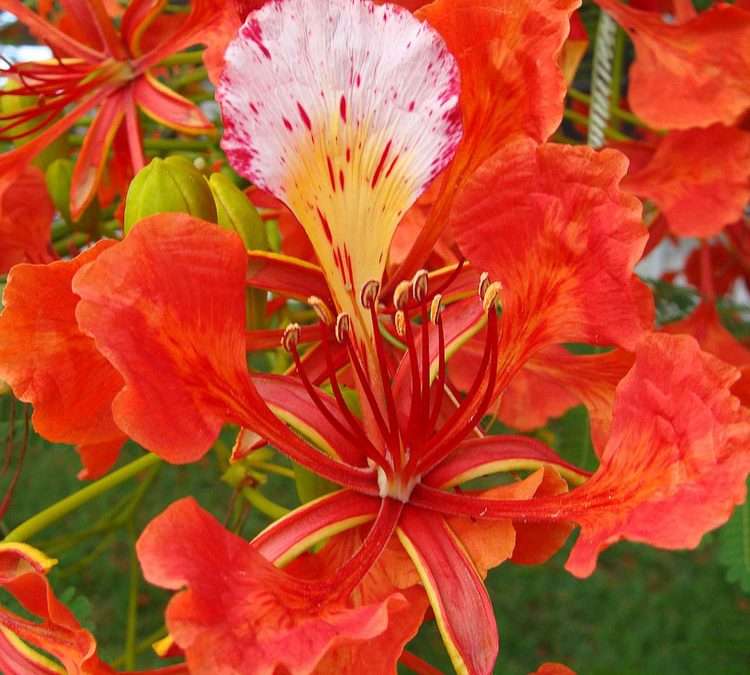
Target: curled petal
pixel 167 308
pixel 50 363
pixel 551 224
pixel 54 630
pixel 345 111
pixel 684 75
pixel 677 458
pixel 251 618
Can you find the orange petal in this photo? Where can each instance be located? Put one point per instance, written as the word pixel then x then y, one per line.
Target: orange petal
pixel 167 308
pixel 684 75
pixel 551 224
pixel 511 85
pixel 677 458
pixel 252 617
pixel 50 363
pixel 698 178
pixel 25 232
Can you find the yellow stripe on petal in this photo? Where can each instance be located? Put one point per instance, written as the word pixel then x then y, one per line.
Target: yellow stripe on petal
pixel 29 558
pixel 30 654
pixel 345 110
pixel 437 607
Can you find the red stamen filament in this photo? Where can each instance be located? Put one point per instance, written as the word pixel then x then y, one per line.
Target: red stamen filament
pixel 313 394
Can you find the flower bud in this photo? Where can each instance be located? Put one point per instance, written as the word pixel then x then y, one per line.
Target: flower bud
pixel 171 185
pixel 59 176
pixel 235 212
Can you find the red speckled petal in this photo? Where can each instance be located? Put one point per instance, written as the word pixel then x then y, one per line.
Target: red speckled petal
pixel 345 111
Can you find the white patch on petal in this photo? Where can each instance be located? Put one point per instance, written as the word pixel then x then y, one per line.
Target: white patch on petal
pixel 346 111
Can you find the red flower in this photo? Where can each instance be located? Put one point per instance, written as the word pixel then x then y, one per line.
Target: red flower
pixel 98 67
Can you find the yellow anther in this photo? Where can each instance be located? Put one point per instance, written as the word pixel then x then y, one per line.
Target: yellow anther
pixel 490 295
pixel 436 308
pixel 484 281
pixel 400 321
pixel 419 285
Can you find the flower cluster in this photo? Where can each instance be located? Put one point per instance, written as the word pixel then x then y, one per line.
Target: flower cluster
pixel 444 245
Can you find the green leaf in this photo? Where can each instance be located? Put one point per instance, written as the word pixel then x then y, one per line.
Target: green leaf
pixel 571 438
pixel 734 546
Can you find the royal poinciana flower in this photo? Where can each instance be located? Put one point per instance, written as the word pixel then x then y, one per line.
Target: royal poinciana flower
pixel 99 67
pixel 165 310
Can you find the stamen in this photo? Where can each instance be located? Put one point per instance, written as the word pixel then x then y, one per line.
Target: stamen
pixel 419 286
pixel 343 326
pixel 490 295
pixel 484 282
pixel 441 378
pixel 401 295
pixel 369 295
pixel 399 320
pixel 364 382
pixel 470 409
pixel 291 336
pixel 436 308
pixel 354 424
pixel 312 392
pixel 322 310
pixel 393 439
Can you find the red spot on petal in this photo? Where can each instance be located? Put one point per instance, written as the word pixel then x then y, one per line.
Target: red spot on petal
pixel 326 226
pixel 349 266
pixel 348 154
pixel 342 108
pixel 330 173
pixel 287 123
pixel 390 168
pixel 359 80
pixel 341 179
pixel 304 116
pixel 412 106
pixel 381 164
pixel 251 30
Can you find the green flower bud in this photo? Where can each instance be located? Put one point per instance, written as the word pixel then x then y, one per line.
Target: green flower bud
pixel 171 185
pixel 235 212
pixel 59 176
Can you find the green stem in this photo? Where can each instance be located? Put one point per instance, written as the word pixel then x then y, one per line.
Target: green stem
pixel 142 646
pixel 273 510
pixel 59 510
pixel 624 115
pixel 132 622
pixel 183 59
pixel 74 240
